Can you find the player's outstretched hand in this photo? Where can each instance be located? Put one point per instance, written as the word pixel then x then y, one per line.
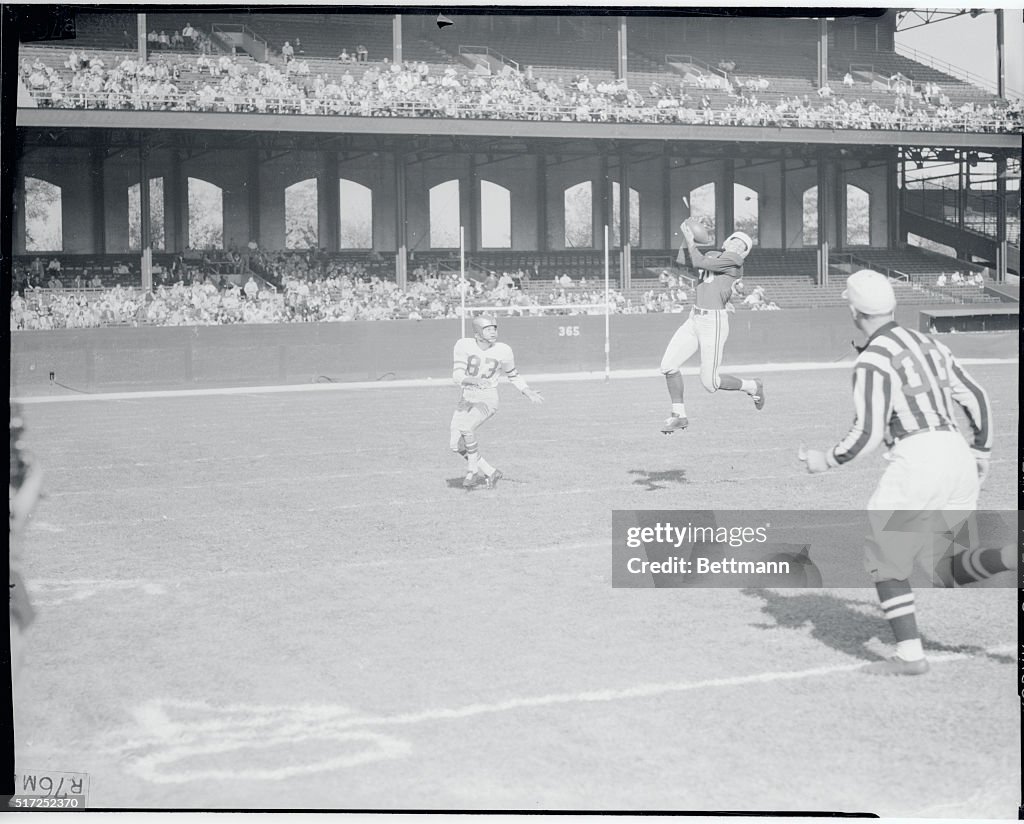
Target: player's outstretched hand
pixel 814 458
pixel 684 227
pixel 534 396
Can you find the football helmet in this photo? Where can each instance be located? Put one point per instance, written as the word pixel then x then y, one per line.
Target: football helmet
pixel 481 322
pixel 744 238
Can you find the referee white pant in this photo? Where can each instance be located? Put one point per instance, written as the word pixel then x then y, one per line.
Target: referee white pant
pixel 707 330
pixel 928 473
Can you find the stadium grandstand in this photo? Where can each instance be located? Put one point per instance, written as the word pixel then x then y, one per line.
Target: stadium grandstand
pixel 273 271
pixel 281 145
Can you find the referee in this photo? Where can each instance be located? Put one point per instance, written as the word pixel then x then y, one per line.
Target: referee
pixel 904 388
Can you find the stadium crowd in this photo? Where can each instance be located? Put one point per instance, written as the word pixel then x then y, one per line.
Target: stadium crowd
pixel 345 292
pixel 221 83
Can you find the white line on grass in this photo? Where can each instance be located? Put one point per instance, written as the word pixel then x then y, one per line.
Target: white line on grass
pixel 176 730
pixel 803 366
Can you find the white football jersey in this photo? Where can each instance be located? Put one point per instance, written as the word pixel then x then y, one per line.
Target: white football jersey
pixel 486 365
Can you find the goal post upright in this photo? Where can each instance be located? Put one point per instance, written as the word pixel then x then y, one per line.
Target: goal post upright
pixel 462 276
pixel 607 309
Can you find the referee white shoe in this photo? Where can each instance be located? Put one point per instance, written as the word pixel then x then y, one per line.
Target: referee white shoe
pixel 897 666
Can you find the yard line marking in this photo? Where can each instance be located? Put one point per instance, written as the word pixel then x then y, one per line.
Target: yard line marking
pixel 641 691
pixel 175 730
pixel 801 366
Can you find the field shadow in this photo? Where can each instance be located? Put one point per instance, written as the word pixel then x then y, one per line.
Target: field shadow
pixel 658 480
pixel 840 625
pixel 456 483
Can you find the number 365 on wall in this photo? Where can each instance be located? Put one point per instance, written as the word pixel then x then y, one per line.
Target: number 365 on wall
pixel 568 331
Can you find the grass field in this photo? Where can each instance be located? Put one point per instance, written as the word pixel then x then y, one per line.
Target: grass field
pixel 285 601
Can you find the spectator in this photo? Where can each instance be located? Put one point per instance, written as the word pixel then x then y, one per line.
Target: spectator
pixel 127 40
pixel 941 280
pixel 287 52
pixel 848 80
pixel 96 282
pixel 298 46
pixel 755 298
pixel 362 55
pixel 345 57
pixel 565 281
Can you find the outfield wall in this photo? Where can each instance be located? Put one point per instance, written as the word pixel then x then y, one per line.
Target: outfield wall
pixel 124 358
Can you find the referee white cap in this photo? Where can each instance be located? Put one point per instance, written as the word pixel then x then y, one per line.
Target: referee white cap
pixel 870 293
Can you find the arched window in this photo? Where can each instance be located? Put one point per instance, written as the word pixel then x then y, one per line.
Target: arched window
pixel 356 215
pixel 301 215
pixel 634 216
pixel 445 215
pixel 205 215
pixel 858 216
pixel 156 215
pixel 811 216
pixel 44 226
pixel 579 216
pixel 746 210
pixel 495 216
pixel 702 205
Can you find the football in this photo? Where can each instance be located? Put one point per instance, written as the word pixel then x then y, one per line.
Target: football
pixel 701 235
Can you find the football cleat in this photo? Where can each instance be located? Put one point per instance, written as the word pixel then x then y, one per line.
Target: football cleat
pixel 673 424
pixel 896 666
pixel 493 478
pixel 470 480
pixel 758 395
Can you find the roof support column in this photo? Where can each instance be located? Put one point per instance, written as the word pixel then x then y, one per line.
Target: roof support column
pixel 401 220
pixel 396 40
pixel 543 242
pixel 1001 218
pixel 97 158
pixel 328 201
pixel 144 214
pixel 626 267
pixel 622 62
pixel 252 185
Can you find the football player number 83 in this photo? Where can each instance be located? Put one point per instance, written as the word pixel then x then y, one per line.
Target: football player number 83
pixel 473 367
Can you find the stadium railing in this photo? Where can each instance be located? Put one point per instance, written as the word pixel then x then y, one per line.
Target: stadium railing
pixel 814 118
pixel 487 50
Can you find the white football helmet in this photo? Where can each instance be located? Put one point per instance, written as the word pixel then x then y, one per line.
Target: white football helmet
pixel 744 238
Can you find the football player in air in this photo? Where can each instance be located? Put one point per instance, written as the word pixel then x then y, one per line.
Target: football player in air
pixel 904 388
pixel 480 361
pixel 707 327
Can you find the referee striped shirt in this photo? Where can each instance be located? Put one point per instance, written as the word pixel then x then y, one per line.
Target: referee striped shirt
pixel 905 383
